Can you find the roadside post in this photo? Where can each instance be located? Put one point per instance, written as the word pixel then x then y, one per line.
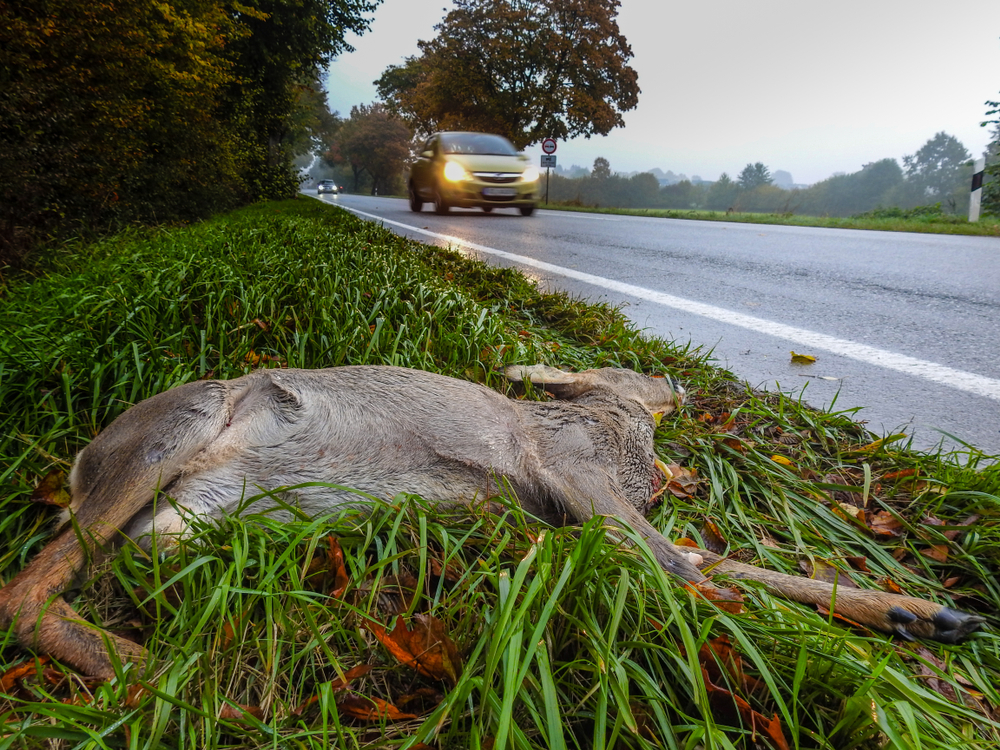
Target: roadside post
pixel 548 161
pixel 976 198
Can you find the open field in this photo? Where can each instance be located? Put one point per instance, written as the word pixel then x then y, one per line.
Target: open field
pixel 933 224
pixel 271 635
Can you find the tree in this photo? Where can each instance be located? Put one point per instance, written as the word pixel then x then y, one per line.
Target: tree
pixel 754 176
pixel 375 142
pixel 940 172
pixel 286 45
pixel 602 169
pixel 124 111
pixel 991 188
pixel 722 194
pixel 526 69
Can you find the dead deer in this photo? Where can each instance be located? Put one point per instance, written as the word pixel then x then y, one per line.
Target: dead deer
pixel 382 431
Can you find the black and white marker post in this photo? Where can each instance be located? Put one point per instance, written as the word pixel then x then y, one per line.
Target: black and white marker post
pixel 976 198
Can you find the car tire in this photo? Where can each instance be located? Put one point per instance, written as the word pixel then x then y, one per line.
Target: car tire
pixel 441 206
pixel 416 204
pixel 527 210
pixel 486 209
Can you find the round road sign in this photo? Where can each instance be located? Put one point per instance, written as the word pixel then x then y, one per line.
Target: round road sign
pixel 549 145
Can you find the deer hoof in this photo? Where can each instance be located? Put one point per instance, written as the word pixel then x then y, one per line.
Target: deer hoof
pixel 951 625
pixel 946 625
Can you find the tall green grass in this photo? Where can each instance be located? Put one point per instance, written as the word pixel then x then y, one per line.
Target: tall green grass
pixel 565 638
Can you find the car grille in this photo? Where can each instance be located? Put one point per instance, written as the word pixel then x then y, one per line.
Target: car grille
pixel 497 178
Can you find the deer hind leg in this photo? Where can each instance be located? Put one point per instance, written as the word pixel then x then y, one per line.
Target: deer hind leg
pixel 905 616
pixel 113 479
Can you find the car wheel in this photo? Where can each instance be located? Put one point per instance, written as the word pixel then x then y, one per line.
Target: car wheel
pixel 486 209
pixel 415 203
pixel 441 206
pixel 527 210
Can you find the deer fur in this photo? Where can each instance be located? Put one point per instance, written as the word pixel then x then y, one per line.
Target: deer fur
pixel 382 431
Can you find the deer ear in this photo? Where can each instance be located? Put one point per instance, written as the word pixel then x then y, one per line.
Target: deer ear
pixel 560 384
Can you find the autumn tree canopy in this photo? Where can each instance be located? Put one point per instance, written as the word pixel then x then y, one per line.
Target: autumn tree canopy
pixel 525 69
pixel 375 142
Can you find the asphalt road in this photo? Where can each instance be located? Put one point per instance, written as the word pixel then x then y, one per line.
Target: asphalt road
pixel 906 326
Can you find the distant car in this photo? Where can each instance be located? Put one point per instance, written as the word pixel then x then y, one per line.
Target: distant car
pixel 327 186
pixel 472 170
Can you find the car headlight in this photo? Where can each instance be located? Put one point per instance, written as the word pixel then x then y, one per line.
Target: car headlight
pixel 531 174
pixel 455 172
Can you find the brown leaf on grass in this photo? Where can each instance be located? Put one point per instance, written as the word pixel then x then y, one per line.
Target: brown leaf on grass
pixel 685 542
pixel 858 563
pixel 727 599
pixel 450 571
pixel 240 712
pixel 327 572
pixel 889 585
pixel 714 541
pixel 11 679
pixel 933 678
pixel 895 476
pixel 884 523
pixel 850 512
pixel 426 648
pixel 950 534
pixel 340 683
pixel 370 709
pixel 936 552
pixel 723 701
pixel 52 490
pixel 821 570
pixel 681 482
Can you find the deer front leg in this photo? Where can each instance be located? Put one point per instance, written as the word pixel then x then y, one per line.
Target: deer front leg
pixel 905 616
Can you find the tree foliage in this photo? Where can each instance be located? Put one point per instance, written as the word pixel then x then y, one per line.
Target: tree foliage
pixel 375 142
pixel 115 112
pixel 991 188
pixel 754 176
pixel 526 69
pixel 939 172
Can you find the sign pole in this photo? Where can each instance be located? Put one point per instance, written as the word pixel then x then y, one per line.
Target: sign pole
pixel 548 161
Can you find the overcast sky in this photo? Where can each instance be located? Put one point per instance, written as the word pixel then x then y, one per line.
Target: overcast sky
pixel 812 88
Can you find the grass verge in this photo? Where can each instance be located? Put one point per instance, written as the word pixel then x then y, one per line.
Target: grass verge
pixel 296 635
pixel 931 224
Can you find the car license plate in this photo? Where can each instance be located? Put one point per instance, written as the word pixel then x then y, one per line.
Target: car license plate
pixel 499 192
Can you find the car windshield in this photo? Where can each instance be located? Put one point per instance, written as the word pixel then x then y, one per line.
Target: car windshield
pixel 476 143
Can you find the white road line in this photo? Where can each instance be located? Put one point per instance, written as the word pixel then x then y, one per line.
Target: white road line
pixel 958 379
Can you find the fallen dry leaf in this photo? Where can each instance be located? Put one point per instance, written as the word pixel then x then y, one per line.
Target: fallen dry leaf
pixel 714 541
pixel 370 709
pixel 52 490
pixel 936 552
pixel 240 712
pixel 885 523
pixel 426 648
pixel 821 570
pixel 340 683
pixel 727 599
pixel 803 359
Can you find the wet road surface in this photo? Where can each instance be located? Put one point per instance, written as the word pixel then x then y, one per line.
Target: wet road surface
pixel 906 326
